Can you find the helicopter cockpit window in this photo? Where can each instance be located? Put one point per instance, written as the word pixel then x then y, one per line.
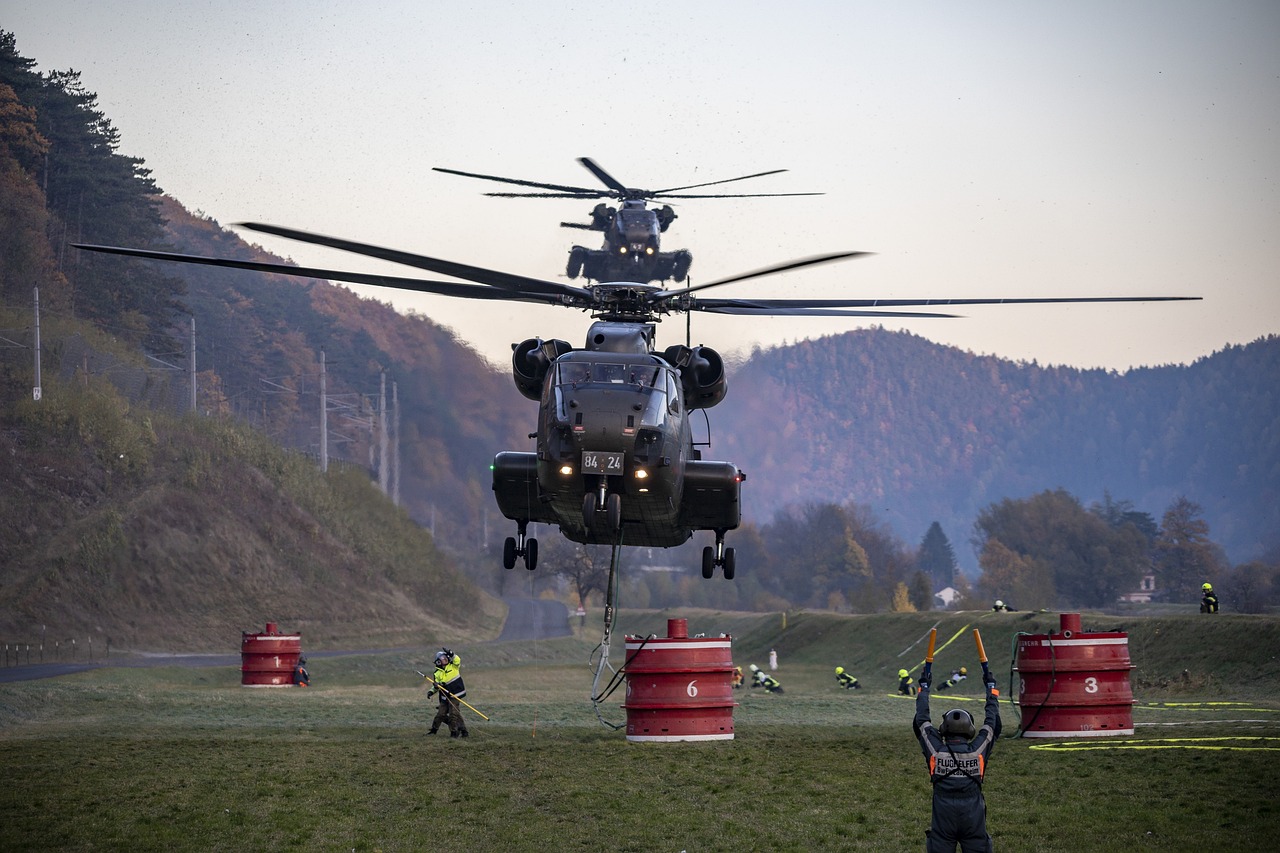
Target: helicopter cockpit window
pixel 606 372
pixel 673 391
pixel 645 376
pixel 655 409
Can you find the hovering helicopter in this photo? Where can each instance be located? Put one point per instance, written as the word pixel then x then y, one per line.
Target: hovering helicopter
pixel 631 232
pixel 615 462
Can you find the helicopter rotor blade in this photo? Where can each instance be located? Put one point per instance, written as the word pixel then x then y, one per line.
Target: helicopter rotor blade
pixel 729 195
pixel 591 194
pixel 494 278
pixel 581 225
pixel 604 177
pixel 780 268
pixel 725 181
pixel 442 288
pixel 910 303
pixel 520 183
pixel 746 309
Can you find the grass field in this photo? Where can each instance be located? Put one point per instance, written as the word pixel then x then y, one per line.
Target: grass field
pixel 167 758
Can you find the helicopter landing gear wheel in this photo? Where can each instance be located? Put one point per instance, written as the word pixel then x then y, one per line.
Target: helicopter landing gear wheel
pixel 589 505
pixel 680 269
pixel 613 511
pixel 719 556
pixel 577 255
pixel 518 546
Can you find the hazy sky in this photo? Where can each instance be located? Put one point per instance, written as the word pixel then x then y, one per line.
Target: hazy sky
pixel 979 148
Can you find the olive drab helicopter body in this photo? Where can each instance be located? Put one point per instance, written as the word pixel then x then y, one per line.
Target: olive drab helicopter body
pixel 615 462
pixel 632 236
pixel 615 458
pixel 632 232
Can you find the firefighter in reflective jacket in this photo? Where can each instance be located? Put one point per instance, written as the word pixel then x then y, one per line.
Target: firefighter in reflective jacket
pixel 845 680
pixel 447 681
pixel 957 756
pixel 760 678
pixel 906 686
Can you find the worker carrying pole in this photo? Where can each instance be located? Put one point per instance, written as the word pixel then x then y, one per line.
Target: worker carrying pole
pixel 447 679
pixel 957 755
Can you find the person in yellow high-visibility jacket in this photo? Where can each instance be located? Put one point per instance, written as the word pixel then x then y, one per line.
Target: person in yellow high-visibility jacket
pixel 447 681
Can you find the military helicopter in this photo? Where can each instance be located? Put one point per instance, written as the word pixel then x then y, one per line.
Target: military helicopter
pixel 631 232
pixel 615 462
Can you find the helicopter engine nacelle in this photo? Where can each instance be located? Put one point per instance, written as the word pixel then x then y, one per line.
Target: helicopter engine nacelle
pixel 701 374
pixel 530 361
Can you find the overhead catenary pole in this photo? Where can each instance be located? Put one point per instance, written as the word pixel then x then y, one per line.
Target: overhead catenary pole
pixel 35 391
pixel 382 432
pixel 395 443
pixel 191 362
pixel 324 417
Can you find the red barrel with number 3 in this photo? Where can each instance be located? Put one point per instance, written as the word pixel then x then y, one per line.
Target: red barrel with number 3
pixel 1074 683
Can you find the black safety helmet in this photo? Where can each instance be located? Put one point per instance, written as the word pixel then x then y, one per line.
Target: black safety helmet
pixel 958 721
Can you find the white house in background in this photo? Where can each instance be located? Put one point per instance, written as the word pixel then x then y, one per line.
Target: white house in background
pixel 947 595
pixel 1145 591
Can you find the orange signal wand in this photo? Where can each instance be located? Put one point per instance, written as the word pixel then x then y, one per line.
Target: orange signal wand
pixel 982 653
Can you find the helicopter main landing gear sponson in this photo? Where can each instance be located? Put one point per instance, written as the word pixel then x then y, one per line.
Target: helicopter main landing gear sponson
pixel 518 546
pixel 718 556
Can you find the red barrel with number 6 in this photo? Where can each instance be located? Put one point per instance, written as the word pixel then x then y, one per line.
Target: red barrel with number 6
pixel 679 688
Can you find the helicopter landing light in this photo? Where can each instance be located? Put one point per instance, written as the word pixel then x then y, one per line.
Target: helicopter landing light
pixel 566 469
pixel 641 474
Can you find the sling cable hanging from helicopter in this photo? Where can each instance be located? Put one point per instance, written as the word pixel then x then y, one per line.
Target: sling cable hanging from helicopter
pixel 599 695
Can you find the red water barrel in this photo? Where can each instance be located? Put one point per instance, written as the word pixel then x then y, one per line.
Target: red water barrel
pixel 679 688
pixel 1074 683
pixel 268 659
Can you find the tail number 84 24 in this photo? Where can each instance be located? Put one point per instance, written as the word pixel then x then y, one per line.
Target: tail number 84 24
pixel 601 463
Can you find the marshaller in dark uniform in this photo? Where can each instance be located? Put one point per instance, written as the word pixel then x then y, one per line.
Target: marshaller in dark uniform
pixel 957 757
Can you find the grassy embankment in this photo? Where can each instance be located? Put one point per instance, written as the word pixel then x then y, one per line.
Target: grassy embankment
pixel 171 758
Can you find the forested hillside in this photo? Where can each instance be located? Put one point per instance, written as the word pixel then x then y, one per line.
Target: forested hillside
pixel 921 432
pixel 867 438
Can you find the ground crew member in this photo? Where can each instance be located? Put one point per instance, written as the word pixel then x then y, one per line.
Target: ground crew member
pixel 957 676
pixel 737 677
pixel 1209 601
pixel 447 681
pixel 905 685
pixel 846 680
pixel 957 757
pixel 1000 607
pixel 760 678
pixel 301 677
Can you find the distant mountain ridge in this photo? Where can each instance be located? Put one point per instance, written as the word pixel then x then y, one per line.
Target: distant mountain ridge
pixel 923 432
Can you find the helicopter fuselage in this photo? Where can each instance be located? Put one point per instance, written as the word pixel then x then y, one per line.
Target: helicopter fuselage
pixel 615 458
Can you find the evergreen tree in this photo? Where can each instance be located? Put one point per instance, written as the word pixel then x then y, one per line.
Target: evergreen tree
pixel 93 194
pixel 936 558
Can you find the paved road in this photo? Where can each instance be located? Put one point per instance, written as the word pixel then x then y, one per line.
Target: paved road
pixel 535 619
pixel 528 619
